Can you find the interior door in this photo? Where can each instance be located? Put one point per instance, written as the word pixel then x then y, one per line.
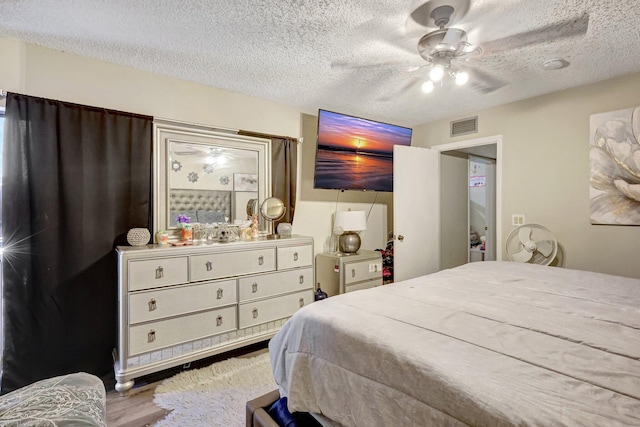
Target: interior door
pixel 416 211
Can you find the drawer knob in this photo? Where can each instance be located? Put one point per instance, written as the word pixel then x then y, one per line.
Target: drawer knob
pixel 159 272
pixel 301 302
pixel 219 321
pixel 353 272
pixel 295 256
pixel 301 279
pixel 255 313
pixel 254 287
pixel 151 336
pixel 220 292
pixel 152 304
pixel 260 260
pixel 209 266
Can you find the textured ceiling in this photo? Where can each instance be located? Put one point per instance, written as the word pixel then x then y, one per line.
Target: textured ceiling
pixel 346 56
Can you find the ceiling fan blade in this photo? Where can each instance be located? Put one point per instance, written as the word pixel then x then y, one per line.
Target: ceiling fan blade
pixel 522 256
pixel 402 89
pixel 545 247
pixel 483 82
pixel 398 37
pixel 576 26
pixel 352 66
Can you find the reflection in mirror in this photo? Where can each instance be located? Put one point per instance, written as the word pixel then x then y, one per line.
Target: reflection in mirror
pixel 206 175
pixel 211 184
pixel 252 207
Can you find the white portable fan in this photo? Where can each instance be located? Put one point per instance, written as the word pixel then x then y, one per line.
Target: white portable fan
pixel 531 243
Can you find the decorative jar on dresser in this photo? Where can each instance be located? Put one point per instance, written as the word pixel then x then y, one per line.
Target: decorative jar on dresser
pixel 184 303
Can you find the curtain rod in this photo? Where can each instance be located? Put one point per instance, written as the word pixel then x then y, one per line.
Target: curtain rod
pixel 269 136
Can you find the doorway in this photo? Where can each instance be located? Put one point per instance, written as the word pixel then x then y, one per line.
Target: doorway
pixel 461 191
pixel 419 226
pixel 482 215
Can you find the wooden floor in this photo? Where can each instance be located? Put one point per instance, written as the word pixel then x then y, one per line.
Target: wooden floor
pixel 134 410
pixel 137 409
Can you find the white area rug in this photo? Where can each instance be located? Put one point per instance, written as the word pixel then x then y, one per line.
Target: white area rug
pixel 216 395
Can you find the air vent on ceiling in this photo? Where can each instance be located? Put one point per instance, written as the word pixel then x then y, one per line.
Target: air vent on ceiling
pixel 464 126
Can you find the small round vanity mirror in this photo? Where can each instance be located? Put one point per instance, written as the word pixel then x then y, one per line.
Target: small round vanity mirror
pixel 273 209
pixel 252 207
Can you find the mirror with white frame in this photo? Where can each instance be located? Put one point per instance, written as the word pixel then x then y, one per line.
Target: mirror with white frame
pixel 207 175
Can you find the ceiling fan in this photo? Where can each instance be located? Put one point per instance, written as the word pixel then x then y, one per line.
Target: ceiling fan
pixel 447 48
pixel 441 47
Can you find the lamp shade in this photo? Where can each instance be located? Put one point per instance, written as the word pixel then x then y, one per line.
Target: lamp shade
pixel 349 221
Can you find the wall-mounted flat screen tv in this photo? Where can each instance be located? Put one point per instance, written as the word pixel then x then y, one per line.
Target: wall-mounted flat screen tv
pixel 356 154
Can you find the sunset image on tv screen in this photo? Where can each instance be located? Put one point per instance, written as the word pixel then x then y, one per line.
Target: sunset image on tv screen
pixel 355 153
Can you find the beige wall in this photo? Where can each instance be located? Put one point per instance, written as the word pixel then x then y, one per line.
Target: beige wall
pixel 37 71
pixel 546 169
pixel 454 202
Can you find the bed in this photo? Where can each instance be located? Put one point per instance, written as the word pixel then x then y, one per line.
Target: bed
pixel 484 344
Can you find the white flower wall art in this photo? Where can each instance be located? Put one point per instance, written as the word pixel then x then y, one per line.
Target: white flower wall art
pixel 614 159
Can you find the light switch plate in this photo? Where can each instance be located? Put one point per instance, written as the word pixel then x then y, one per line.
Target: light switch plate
pixel 517 219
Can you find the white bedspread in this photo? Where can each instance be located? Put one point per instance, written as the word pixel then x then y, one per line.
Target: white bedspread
pixel 485 344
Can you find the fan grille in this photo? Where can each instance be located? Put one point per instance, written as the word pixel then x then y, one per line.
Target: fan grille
pixel 537 234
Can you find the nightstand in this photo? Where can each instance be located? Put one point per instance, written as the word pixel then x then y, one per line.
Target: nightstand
pixel 340 273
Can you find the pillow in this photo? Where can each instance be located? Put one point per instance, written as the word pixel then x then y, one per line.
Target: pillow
pixel 173 215
pixel 208 217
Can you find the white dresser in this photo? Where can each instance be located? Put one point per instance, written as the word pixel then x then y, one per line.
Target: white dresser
pixel 180 304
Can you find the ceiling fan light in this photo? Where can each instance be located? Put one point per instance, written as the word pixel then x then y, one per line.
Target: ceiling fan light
pixel 427 87
pixel 462 77
pixel 436 73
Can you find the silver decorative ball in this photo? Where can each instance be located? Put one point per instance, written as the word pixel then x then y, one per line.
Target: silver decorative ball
pixel 349 242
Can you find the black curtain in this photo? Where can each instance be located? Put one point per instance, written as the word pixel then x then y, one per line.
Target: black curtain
pixel 284 170
pixel 75 180
pixel 284 174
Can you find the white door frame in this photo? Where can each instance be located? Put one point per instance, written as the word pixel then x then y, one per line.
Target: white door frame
pixel 495 139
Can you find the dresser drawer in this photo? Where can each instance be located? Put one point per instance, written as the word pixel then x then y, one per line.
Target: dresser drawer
pixel 268 310
pixel 364 285
pixel 295 256
pixel 152 273
pixel 177 300
pixel 166 333
pixel 225 264
pixel 362 270
pixel 266 285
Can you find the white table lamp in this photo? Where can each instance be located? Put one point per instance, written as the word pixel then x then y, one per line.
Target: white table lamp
pixel 347 223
